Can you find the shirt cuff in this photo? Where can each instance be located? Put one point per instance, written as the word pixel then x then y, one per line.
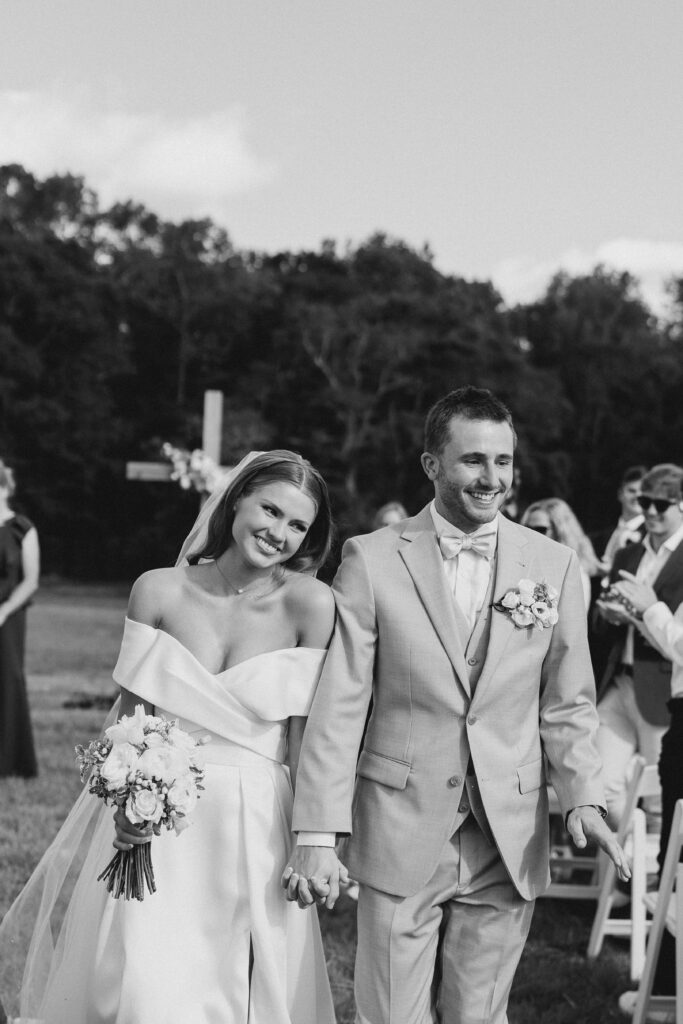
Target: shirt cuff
pixel 316 839
pixel 657 615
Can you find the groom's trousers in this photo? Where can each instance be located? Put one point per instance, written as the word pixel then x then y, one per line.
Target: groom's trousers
pixel 449 953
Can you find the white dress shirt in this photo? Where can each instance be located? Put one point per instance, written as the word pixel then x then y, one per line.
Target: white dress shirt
pixel 468 573
pixel 626 530
pixel 649 568
pixel 665 629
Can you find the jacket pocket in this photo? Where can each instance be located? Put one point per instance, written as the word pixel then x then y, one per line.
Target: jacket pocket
pixel 531 776
pixel 387 770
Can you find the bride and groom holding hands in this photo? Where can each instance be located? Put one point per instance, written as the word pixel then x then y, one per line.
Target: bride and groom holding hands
pixel 466 636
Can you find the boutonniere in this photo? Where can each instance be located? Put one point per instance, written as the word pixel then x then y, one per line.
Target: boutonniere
pixel 530 604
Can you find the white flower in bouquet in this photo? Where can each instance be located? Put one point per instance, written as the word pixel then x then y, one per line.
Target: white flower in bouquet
pixel 145 806
pixel 117 767
pixel 131 728
pixel 165 763
pixel 182 796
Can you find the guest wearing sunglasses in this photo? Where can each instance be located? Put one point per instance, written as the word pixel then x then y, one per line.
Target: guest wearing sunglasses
pixel 636 684
pixel 554 518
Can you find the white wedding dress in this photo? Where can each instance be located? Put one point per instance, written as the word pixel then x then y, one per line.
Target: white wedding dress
pixel 217 943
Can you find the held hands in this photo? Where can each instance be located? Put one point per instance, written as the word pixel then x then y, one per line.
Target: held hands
pixel 313 876
pixel 129 835
pixel 585 824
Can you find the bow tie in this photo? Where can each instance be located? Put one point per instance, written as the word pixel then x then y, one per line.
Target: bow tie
pixel 483 544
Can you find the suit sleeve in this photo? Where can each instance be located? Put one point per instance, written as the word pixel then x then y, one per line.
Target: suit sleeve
pixel 568 716
pixel 329 752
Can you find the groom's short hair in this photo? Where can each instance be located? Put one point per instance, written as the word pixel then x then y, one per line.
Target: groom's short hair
pixel 469 402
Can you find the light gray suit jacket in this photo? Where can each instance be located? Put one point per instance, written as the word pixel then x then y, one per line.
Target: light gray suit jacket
pixel 518 702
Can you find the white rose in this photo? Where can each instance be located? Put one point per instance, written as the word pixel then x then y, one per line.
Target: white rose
pixel 510 600
pixel 144 805
pixel 182 795
pixel 526 592
pixel 118 764
pixel 164 763
pixel 522 616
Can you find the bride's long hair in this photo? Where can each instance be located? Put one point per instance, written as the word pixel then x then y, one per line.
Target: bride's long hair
pixel 278 465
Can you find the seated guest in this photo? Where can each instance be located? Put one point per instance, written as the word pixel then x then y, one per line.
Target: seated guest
pixel 554 518
pixel 635 687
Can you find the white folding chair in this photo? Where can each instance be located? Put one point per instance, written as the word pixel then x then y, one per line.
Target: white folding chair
pixel 667 907
pixel 641 848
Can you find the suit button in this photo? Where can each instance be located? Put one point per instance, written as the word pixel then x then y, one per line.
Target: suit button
pixel 463 808
pixel 472 661
pixel 471 720
pixel 454 780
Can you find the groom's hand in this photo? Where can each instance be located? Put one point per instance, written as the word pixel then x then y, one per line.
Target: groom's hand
pixel 585 824
pixel 313 874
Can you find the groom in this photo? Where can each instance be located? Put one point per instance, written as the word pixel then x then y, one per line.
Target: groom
pixel 473 713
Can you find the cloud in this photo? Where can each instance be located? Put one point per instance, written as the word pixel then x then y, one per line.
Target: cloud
pixel 652 263
pixel 179 167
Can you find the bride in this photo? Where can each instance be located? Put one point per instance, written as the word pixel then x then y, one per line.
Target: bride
pixel 231 643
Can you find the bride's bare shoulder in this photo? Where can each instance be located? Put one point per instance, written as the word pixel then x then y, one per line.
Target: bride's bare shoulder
pixel 152 593
pixel 311 605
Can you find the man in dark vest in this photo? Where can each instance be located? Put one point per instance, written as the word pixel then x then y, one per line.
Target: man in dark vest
pixel 635 686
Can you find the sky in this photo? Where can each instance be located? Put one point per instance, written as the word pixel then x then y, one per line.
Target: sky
pixel 514 137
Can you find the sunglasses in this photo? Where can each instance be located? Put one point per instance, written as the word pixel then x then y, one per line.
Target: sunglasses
pixel 542 529
pixel 660 504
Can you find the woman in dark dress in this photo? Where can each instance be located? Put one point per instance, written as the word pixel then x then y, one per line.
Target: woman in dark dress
pixel 19 568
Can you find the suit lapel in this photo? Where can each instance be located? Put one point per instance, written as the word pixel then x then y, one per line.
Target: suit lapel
pixel 423 561
pixel 512 565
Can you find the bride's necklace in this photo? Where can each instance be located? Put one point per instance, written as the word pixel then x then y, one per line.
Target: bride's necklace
pixel 249 589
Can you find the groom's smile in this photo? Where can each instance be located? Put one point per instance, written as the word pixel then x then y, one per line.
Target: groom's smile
pixel 472 472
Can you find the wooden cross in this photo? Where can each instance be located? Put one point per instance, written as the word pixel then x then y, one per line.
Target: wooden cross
pixel 212 426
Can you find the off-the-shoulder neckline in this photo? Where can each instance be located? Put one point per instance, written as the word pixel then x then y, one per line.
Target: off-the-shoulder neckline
pixel 230 668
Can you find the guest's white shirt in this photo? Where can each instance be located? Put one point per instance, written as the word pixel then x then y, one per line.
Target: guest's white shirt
pixel 649 568
pixel 626 530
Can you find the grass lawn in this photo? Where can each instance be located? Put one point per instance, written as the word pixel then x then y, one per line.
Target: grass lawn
pixel 73 639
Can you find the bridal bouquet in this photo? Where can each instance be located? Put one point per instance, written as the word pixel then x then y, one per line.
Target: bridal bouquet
pixel 153 770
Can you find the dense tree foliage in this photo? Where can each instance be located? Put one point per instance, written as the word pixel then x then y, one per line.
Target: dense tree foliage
pixel 114 322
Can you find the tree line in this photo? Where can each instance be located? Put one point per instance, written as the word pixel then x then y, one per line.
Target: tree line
pixel 114 322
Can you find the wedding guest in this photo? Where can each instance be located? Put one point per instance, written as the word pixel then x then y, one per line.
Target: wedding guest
pixel 231 643
pixel 19 574
pixel 631 525
pixel 392 512
pixel 554 518
pixel 663 628
pixel 629 530
pixel 447 805
pixel 635 687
